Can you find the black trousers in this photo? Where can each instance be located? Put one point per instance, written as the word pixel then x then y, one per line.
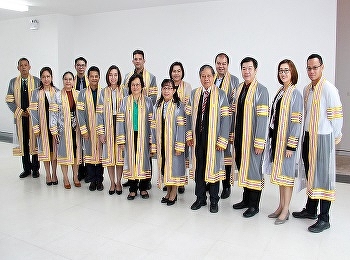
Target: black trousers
pixel 251 197
pixel 94 172
pixel 200 189
pixel 28 165
pixel 226 183
pixel 138 184
pixel 312 204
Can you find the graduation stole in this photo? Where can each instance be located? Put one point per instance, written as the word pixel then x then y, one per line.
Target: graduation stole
pixel 313 126
pixel 226 81
pixel 247 124
pixel 181 91
pixel 168 135
pixel 212 128
pixel 136 169
pixel 282 132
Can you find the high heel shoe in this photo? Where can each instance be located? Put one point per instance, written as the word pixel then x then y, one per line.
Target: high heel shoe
pixel 273 215
pixel 77 184
pixel 164 200
pixel 171 202
pixel 55 182
pixel 111 192
pixel 67 186
pixel 282 221
pixel 49 183
pixel 131 197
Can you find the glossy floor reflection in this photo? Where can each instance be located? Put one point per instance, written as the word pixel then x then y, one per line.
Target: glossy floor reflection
pixel 49 222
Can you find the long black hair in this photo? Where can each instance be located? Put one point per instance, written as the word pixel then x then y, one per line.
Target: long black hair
pixel 176 98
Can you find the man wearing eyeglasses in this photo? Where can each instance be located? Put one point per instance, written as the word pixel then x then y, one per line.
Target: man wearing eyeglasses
pixel 150 90
pixel 80 83
pixel 18 97
pixel 228 83
pixel 322 126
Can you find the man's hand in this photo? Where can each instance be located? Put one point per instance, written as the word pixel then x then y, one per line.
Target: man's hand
pixel 258 151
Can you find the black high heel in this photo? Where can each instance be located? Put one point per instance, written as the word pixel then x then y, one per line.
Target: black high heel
pixel 171 202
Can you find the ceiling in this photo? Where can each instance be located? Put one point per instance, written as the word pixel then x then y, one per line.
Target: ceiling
pixel 82 7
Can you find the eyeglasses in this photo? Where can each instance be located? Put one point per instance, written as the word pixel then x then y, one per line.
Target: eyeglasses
pixel 167 88
pixel 286 71
pixel 313 68
pixel 136 85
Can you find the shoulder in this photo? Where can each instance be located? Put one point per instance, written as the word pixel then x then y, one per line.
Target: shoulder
pixel 262 88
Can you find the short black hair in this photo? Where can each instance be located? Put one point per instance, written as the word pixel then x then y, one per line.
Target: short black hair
pixel 250 59
pixel 94 68
pixel 317 56
pixel 68 72
pixel 138 52
pixel 22 59
pixel 132 78
pixel 78 59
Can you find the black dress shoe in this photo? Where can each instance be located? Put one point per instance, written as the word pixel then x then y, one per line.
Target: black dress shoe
pixel 149 185
pixel 99 186
pixel 24 174
pixel 240 205
pixel 145 195
pixel 165 188
pixel 181 189
pixel 92 186
pixel 226 192
pixel 319 226
pixel 126 184
pixel 198 204
pixel 36 174
pixel 131 197
pixel 250 212
pixel 214 208
pixel 304 214
pixel 171 202
pixel 164 200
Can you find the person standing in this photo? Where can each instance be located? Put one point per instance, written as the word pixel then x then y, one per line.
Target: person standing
pixel 250 128
pixel 207 133
pixel 18 97
pixel 284 132
pixel 168 140
pixel 81 82
pixel 228 83
pixel 183 89
pixel 41 99
pixel 323 124
pixel 134 135
pixel 87 101
pixel 107 109
pixel 65 130
pixel 150 87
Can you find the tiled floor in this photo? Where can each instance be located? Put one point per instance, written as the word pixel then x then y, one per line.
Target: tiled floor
pixel 49 222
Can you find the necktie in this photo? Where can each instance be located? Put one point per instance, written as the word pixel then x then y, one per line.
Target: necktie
pixel 204 105
pixel 81 85
pixel 25 98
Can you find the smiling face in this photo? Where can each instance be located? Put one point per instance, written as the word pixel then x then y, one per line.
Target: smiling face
pixel 176 73
pixel 46 78
pixel 207 78
pixel 168 91
pixel 314 70
pixel 138 62
pixel 248 72
pixel 94 77
pixel 285 74
pixel 80 67
pixel 221 65
pixel 136 87
pixel 24 67
pixel 113 77
pixel 68 81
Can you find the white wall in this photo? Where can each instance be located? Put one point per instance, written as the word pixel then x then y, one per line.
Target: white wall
pixel 342 64
pixel 269 30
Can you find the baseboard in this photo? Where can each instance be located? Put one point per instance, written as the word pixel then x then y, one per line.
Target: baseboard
pixel 6 137
pixel 342 152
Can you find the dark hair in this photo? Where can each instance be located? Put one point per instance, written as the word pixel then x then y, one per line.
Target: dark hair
pixel 113 67
pixel 132 78
pixel 176 98
pixel 317 56
pixel 138 52
pixel 67 72
pixel 250 59
pixel 49 70
pixel 22 59
pixel 78 59
pixel 177 63
pixel 205 67
pixel 292 69
pixel 94 68
pixel 221 54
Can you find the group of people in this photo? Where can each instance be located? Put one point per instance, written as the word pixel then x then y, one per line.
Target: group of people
pixel 212 130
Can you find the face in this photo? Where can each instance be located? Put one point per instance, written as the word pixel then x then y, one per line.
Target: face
pixel 176 73
pixel 68 81
pixel 46 78
pixel 24 68
pixel 136 87
pixel 138 61
pixel 80 67
pixel 113 77
pixel 168 92
pixel 314 69
pixel 93 79
pixel 248 72
pixel 221 65
pixel 207 78
pixel 285 74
